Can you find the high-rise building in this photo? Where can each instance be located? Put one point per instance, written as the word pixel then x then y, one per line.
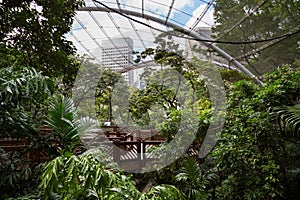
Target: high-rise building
pixel 116 54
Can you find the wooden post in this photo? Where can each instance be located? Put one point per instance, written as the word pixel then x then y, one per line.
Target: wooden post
pixel 138 147
pixel 142 155
pixel 116 150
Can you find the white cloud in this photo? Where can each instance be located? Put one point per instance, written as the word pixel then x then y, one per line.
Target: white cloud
pixel 207 20
pixel 181 4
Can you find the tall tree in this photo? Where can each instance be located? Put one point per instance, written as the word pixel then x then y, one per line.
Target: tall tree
pixel 32 33
pixel 104 92
pixel 259 20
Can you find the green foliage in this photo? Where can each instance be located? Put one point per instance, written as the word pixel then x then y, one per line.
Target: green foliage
pixel 23 94
pixel 33 33
pixel 19 177
pixel 272 19
pixel 104 91
pixel 163 192
pixel 244 161
pixel 164 91
pixel 231 76
pixel 86 177
pixel 289 118
pixel 77 177
pixel 193 181
pixel 170 127
pixel 252 154
pixel 62 118
pixel 31 196
pixel 14 176
pixel 282 84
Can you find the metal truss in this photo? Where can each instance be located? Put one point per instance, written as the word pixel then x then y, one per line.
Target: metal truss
pixel 155 23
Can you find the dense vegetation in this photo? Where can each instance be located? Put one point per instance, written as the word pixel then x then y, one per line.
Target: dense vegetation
pixel 259 21
pixel 257 153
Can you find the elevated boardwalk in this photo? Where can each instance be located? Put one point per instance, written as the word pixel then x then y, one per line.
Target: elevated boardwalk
pixel 127 147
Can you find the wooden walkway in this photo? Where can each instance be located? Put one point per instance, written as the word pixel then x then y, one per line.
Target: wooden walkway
pixel 24 149
pixel 129 148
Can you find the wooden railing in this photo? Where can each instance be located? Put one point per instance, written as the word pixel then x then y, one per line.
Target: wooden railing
pixel 131 155
pixel 129 148
pixel 123 145
pixel 22 145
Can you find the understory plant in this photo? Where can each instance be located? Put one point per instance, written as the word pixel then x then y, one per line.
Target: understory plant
pixel 24 93
pixel 67 126
pixel 86 177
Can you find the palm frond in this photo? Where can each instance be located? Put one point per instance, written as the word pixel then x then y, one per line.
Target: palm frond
pixel 86 124
pixel 288 118
pixel 62 116
pixel 190 171
pixel 163 192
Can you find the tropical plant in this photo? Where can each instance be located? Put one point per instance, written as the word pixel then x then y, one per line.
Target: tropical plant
pixel 193 181
pixel 163 192
pixel 32 195
pixel 67 127
pixel 76 177
pixel 289 119
pixel 24 92
pixel 13 174
pixel 23 95
pixel 253 157
pixel 86 177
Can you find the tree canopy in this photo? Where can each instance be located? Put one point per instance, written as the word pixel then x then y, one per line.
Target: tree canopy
pixel 256 155
pixel 246 21
pixel 33 33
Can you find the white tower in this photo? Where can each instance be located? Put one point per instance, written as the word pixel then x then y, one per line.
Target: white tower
pixel 116 54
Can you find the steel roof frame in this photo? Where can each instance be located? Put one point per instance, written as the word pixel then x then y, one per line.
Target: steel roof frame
pixel 167 23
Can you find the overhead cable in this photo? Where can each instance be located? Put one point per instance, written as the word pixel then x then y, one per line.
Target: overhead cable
pixel 120 32
pixel 242 20
pixel 170 10
pixel 191 38
pixel 203 13
pixel 84 47
pixel 198 37
pixel 265 46
pixel 95 41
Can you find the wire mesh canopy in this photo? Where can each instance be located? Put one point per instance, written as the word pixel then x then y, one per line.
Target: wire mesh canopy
pixel 102 24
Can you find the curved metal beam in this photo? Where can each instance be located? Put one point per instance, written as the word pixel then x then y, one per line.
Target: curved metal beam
pixel 174 26
pixel 152 63
pixel 145 64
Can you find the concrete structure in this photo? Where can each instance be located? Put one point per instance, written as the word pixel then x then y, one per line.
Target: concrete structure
pixel 161 21
pixel 116 54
